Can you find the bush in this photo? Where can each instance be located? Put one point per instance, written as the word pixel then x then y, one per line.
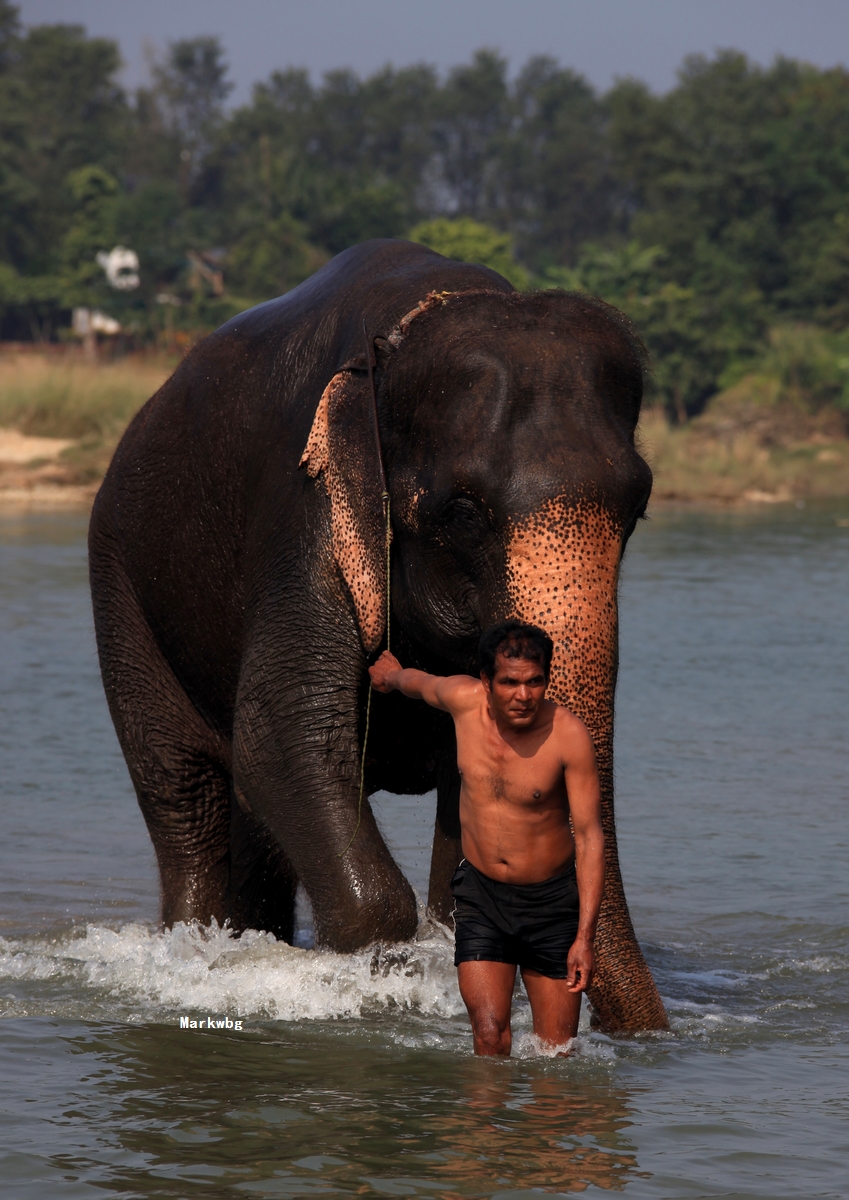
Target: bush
pixel 471 241
pixel 802 365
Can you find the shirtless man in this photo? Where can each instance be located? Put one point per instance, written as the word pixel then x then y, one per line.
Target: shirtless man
pixel 527 892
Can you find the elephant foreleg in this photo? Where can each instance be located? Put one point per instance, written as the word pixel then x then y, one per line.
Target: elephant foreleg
pixel 298 769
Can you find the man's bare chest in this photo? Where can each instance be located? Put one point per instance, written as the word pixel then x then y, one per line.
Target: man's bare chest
pixel 523 775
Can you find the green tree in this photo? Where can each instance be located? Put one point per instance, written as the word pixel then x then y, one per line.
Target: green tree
pixel 711 214
pixel 739 173
pixel 151 219
pixel 60 109
pixel 92 230
pixel 806 366
pixel 471 241
pixel 66 111
pixel 474 114
pixel 820 272
pixel 270 258
pixel 556 188
pixel 690 338
pixel 345 160
pixel 191 86
pixel 15 191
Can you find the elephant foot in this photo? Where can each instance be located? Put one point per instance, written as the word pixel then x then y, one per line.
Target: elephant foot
pixel 194 893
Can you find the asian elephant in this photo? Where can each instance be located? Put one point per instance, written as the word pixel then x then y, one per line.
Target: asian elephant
pixel 238 576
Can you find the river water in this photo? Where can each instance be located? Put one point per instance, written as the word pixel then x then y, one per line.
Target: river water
pixel 353 1075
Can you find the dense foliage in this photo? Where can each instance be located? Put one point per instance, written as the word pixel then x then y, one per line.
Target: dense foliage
pixel 714 215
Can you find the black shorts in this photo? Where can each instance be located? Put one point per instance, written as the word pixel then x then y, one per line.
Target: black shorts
pixel 529 924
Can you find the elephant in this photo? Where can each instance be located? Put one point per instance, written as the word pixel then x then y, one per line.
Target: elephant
pixel 240 584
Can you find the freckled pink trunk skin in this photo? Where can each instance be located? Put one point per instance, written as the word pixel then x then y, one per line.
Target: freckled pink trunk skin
pixel 563 566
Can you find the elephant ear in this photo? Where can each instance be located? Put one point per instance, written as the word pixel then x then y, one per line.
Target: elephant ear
pixel 342 449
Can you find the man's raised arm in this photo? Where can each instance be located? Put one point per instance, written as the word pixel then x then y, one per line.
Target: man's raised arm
pixel 582 786
pixel 387 675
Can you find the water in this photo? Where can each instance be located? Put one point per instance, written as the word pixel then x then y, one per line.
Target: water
pixel 353 1075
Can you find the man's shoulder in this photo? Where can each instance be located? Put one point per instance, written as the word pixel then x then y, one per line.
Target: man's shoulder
pixel 460 691
pixel 569 730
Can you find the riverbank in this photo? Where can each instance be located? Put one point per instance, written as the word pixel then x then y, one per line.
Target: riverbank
pixel 61 418
pixel 744 450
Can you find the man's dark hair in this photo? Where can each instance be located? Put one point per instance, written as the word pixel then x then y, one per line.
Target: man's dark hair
pixel 513 639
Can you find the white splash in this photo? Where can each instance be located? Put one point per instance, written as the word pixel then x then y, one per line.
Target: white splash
pixel 690 1019
pixel 199 968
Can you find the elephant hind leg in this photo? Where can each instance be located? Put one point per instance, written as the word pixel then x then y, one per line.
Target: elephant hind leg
pixel 263 883
pixel 178 764
pixel 447 850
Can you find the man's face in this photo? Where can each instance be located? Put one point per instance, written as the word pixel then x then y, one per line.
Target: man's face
pixel 516 690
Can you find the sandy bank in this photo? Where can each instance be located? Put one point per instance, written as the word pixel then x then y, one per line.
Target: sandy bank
pixel 33 475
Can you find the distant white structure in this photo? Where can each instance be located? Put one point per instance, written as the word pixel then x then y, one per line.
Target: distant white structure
pixel 121 266
pixel 85 322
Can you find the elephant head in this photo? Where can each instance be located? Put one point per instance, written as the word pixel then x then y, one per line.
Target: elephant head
pixel 507 425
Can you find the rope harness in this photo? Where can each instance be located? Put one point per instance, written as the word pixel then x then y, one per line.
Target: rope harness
pixel 384 495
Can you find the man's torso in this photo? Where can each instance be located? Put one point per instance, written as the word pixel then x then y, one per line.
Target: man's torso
pixel 514 810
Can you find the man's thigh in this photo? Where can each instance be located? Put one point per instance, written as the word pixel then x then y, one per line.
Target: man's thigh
pixel 555 1009
pixel 487 991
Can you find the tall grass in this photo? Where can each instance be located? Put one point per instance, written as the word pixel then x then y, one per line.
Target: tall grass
pixel 60 397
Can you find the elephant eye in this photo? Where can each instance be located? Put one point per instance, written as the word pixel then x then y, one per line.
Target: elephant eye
pixel 466 518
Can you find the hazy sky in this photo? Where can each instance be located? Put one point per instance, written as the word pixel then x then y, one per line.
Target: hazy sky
pixel 600 38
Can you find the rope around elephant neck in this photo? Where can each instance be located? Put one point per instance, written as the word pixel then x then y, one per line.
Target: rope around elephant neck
pixel 388 536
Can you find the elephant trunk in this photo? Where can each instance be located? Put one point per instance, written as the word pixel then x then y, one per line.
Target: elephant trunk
pixel 563 566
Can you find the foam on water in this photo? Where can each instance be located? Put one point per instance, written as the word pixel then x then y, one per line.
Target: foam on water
pixel 191 967
pixel 139 974
pixel 136 973
pixel 706 1021
pixel 819 964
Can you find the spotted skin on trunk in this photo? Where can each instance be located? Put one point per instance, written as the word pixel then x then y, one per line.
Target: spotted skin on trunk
pixel 562 572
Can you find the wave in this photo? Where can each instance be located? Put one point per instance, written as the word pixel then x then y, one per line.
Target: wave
pixel 192 967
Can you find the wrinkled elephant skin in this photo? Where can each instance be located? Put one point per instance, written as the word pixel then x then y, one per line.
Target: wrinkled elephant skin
pixel 239 581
